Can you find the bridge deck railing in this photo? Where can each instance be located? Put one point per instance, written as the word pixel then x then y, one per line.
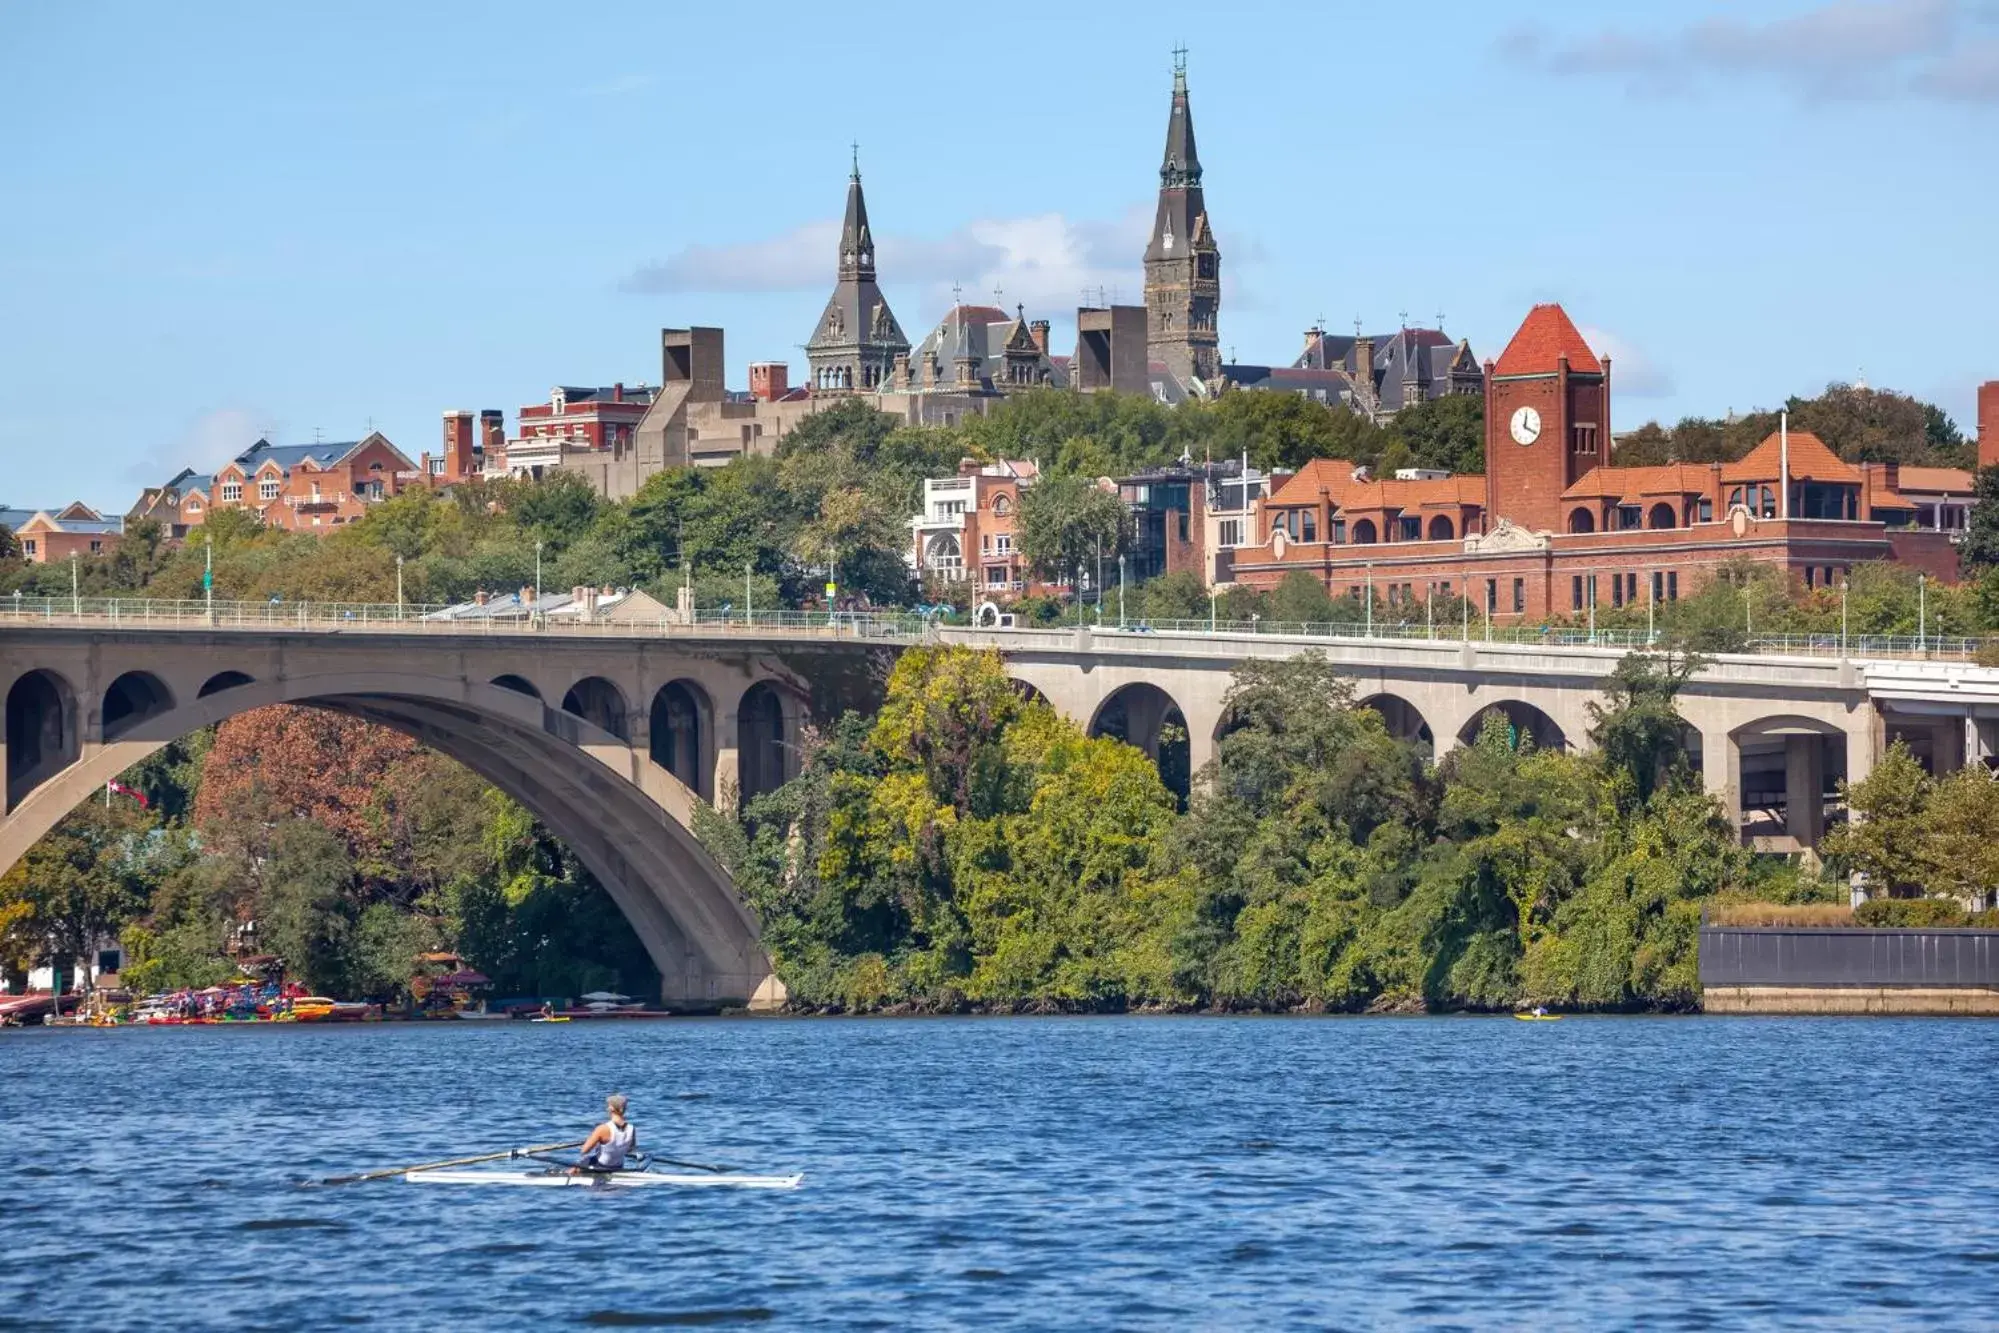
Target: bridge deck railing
pixel 200 613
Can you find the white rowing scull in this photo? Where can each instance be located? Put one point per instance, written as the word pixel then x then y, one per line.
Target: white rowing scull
pixel 603 1179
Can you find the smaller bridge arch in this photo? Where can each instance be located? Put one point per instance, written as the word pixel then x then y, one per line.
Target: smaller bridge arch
pixel 1404 720
pixel 1526 722
pixel 601 704
pixel 680 736
pixel 131 699
pixel 518 684
pixel 43 732
pixel 223 680
pixel 1787 771
pixel 763 756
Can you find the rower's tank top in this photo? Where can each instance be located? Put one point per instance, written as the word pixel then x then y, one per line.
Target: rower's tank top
pixel 612 1155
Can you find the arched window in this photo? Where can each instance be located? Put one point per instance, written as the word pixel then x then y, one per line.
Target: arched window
pixel 1364 532
pixel 1734 497
pixel 1311 531
pixel 1661 516
pixel 1582 520
pixel 1002 506
pixel 1768 509
pixel 1440 528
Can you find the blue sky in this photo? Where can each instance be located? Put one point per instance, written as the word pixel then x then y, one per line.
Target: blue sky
pixel 224 220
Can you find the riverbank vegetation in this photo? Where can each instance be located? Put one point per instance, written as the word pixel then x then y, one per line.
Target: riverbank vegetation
pixel 968 847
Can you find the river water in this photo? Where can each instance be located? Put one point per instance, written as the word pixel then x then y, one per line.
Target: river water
pixel 1057 1173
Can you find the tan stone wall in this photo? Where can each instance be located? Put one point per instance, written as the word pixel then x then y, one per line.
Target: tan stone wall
pixel 1965 1001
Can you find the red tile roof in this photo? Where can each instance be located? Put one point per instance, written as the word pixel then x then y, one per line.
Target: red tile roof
pixel 1631 483
pixel 1935 480
pixel 1544 337
pixel 1335 477
pixel 1811 460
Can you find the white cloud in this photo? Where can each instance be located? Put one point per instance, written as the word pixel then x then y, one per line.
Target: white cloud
pixel 1045 261
pixel 1841 49
pixel 209 441
pixel 1632 373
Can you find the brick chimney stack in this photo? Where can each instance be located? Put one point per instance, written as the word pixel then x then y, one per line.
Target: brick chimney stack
pixel 1039 330
pixel 1988 424
pixel 493 432
pixel 769 380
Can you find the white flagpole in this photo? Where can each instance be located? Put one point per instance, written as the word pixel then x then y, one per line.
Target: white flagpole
pixel 1784 462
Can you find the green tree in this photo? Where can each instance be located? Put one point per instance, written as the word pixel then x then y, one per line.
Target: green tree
pixel 74 889
pixel 1981 536
pixel 1638 733
pixel 1447 432
pixel 1886 837
pixel 1065 522
pixel 1959 827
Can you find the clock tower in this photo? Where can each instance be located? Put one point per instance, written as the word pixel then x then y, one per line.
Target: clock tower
pixel 1547 420
pixel 1183 265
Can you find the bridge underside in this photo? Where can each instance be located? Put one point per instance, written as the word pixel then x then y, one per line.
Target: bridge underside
pixel 627 818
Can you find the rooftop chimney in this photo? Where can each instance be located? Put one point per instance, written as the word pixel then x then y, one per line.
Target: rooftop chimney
pixel 1988 424
pixel 618 392
pixel 1039 329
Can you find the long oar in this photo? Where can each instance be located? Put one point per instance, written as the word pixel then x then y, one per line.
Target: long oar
pixel 456 1161
pixel 691 1166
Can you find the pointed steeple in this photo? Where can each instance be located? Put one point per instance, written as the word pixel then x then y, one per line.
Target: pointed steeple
pixel 857 243
pixel 1181 167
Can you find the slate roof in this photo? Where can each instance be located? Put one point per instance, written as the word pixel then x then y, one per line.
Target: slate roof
pixel 849 319
pixel 1544 337
pixel 638 394
pixel 12 519
pixel 982 333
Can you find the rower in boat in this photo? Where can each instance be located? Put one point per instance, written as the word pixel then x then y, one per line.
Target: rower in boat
pixel 611 1142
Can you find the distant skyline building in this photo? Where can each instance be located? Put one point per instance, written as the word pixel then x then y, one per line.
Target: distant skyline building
pixel 857 341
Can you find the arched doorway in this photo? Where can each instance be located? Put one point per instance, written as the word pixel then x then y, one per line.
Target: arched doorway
pixel 1525 723
pixel 679 735
pixel 1146 716
pixel 760 750
pixel 42 733
pixel 1405 723
pixel 598 702
pixel 131 699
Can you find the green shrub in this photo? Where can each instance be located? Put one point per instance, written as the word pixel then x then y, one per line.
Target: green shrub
pixel 1909 913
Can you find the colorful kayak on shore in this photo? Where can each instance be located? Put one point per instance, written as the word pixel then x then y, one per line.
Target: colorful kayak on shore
pixel 559 1179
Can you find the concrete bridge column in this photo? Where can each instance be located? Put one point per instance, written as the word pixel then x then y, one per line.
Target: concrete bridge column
pixel 727 780
pixel 1804 787
pixel 1947 746
pixel 1721 771
pixel 1864 731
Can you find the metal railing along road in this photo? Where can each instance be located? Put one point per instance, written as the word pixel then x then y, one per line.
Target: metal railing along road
pixel 903 626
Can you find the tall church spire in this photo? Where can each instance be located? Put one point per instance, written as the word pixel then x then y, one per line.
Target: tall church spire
pixel 857 243
pixel 1183 290
pixel 1182 165
pixel 854 345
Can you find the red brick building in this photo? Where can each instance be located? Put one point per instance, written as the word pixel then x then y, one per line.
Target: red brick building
pixel 305 487
pixel 575 420
pixel 1988 424
pixel 466 446
pixel 1552 527
pixel 46 536
pixel 966 533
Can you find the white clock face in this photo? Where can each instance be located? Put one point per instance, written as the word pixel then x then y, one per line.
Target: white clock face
pixel 1526 426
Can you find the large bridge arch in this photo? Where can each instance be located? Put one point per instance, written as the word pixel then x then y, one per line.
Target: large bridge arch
pixel 1144 715
pixel 1404 720
pixel 626 818
pixel 1527 721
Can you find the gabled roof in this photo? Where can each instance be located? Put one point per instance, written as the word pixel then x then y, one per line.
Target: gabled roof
pixel 1543 339
pixel 1811 460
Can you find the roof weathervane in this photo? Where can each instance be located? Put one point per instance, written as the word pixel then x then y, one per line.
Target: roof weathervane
pixel 1356 327
pixel 1440 320
pixel 1180 66
pixel 856 147
pixel 999 298
pixel 957 294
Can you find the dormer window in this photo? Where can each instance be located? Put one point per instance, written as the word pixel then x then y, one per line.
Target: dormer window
pixel 267 489
pixel 557 402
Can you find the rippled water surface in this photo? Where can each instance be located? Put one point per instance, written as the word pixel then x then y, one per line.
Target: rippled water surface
pixel 1062 1173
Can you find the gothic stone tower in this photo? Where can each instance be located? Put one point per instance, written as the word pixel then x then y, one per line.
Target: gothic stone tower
pixel 857 340
pixel 1183 266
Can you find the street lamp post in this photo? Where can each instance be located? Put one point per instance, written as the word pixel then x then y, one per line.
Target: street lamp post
pixel 208 573
pixel 1842 617
pixel 1213 593
pixel 1592 606
pixel 1922 615
pixel 749 612
pixel 399 587
pixel 75 597
pixel 1370 599
pixel 1120 591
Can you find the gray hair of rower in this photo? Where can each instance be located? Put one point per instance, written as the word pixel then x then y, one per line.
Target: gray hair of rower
pixel 616 1103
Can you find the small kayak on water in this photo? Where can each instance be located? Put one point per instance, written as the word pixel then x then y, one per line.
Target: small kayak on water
pixel 545 1019
pixel 1539 1018
pixel 558 1178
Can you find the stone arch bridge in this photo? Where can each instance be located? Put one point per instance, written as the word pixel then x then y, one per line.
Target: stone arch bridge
pixel 611 734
